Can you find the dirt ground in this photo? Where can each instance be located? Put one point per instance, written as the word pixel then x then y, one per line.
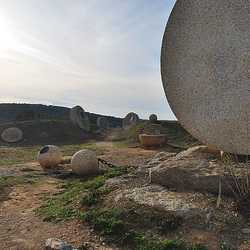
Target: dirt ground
pixel 20 228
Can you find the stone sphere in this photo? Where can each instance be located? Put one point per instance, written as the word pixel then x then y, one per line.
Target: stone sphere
pixel 205 71
pixel 130 120
pixel 12 134
pixel 78 116
pixel 49 156
pixel 153 118
pixel 102 122
pixel 84 163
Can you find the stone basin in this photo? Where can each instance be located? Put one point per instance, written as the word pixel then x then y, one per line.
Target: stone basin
pixel 152 140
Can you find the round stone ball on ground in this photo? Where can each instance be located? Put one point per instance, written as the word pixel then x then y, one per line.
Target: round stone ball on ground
pixel 49 156
pixel 84 163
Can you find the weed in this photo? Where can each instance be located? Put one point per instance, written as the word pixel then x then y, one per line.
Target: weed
pixel 94 197
pixel 27 169
pixel 74 192
pixel 239 184
pixel 168 224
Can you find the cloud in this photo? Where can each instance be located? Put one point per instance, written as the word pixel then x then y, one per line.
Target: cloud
pixel 103 55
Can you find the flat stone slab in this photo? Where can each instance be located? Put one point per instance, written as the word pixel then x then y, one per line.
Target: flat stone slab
pixel 197 169
pixel 205 71
pixel 161 199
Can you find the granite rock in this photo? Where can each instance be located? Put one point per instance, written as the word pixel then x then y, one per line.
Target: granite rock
pixel 205 71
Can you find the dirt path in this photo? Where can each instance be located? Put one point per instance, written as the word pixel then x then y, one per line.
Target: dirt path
pixel 20 228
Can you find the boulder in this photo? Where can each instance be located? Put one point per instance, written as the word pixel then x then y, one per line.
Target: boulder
pixel 195 170
pixel 160 199
pixel 205 71
pixel 12 134
pixel 102 122
pixel 130 120
pixel 56 244
pixel 78 116
pixel 49 156
pixel 84 163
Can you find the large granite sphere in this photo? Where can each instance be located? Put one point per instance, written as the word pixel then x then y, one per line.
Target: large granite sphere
pixel 12 134
pixel 204 68
pixel 102 122
pixel 49 156
pixel 78 116
pixel 130 120
pixel 153 118
pixel 84 163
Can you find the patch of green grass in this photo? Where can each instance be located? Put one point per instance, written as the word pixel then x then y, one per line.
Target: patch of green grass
pixel 94 197
pixel 130 137
pixel 72 149
pixel 75 191
pixel 119 225
pixel 16 155
pixel 7 182
pixel 21 155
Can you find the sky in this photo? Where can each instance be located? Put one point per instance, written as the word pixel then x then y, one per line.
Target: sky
pixel 103 55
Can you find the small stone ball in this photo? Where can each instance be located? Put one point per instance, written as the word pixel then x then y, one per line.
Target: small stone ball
pixel 84 162
pixel 49 156
pixel 153 118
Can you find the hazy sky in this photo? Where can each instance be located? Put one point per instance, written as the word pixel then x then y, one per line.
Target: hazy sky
pixel 103 55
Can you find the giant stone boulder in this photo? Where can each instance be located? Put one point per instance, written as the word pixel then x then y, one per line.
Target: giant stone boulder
pixel 102 122
pixel 130 120
pixel 78 116
pixel 205 71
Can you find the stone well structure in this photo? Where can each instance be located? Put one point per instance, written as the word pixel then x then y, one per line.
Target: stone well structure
pixel 12 134
pixel 102 122
pixel 205 71
pixel 153 135
pixel 78 116
pixel 130 120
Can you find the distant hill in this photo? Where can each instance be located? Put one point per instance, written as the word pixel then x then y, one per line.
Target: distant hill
pixel 13 112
